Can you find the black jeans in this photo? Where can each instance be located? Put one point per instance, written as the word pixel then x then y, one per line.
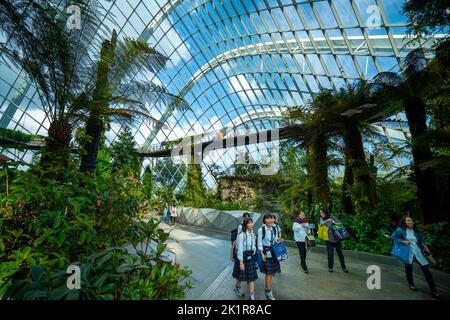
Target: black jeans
pixel 330 250
pixel 173 219
pixel 302 250
pixel 426 272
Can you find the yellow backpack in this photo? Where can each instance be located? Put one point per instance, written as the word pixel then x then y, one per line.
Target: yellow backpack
pixel 322 232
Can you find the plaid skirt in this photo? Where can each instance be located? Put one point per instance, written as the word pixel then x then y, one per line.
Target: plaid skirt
pixel 271 266
pixel 249 274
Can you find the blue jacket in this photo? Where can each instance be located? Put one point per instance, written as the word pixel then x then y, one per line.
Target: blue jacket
pixel 399 235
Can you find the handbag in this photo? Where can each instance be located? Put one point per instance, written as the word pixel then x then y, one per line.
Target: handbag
pixel 259 260
pixel 310 240
pixel 430 258
pixel 401 252
pixel 340 232
pixel 279 249
pixel 322 232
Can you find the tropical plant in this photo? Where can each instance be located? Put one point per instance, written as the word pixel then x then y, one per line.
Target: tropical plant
pixel 56 224
pixel 411 94
pixel 147 182
pixel 72 88
pixel 245 166
pixel 124 154
pixel 194 190
pixel 427 16
pixel 55 59
pixel 169 173
pixel 315 140
pixel 117 93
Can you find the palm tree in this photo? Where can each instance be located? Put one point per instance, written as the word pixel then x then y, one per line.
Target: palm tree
pixel 348 104
pixel 55 59
pixel 411 94
pixel 116 87
pixel 74 89
pixel 314 138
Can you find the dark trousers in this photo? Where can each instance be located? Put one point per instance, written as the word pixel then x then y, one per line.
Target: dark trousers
pixel 173 219
pixel 426 273
pixel 302 250
pixel 330 250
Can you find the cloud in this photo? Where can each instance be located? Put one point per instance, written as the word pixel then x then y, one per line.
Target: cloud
pixel 170 39
pixel 248 91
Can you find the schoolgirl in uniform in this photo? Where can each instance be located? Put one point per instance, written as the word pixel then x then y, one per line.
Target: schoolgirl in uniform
pixel 245 264
pixel 237 287
pixel 268 234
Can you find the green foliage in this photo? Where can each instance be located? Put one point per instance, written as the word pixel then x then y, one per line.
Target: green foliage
pixel 15 139
pixel 89 219
pixel 104 166
pixel 169 173
pixel 438 238
pixel 228 205
pixel 147 182
pixel 244 168
pixel 370 232
pixel 426 16
pixel 194 191
pixel 124 154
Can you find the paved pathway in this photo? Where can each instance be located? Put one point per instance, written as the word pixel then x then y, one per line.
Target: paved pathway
pixel 207 253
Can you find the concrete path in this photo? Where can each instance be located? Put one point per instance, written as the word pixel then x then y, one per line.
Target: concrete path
pixel 207 253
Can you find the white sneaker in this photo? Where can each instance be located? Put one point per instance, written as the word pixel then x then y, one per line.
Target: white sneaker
pixel 252 296
pixel 239 292
pixel 269 295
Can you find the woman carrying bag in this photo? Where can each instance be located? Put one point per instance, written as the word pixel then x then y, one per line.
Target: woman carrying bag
pixel 268 235
pixel 245 265
pixel 326 219
pixel 410 244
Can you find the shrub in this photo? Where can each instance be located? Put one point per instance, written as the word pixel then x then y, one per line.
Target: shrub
pixel 438 237
pixel 370 232
pixel 46 225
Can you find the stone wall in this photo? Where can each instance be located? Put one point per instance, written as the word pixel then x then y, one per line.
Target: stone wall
pixel 232 189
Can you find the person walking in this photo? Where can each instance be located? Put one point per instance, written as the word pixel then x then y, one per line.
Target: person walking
pixel 173 213
pixel 245 264
pixel 407 234
pixel 165 216
pixel 267 236
pixel 300 228
pixel 333 243
pixel 237 286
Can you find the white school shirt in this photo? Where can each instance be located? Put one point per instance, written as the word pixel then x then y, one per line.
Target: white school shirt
pixel 300 232
pixel 271 237
pixel 245 242
pixel 173 211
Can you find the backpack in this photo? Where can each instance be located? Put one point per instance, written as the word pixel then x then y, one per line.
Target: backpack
pixel 233 235
pixel 274 230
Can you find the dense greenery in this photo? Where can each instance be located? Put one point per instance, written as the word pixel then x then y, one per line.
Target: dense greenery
pixel 124 155
pixel 51 216
pixel 195 190
pixel 169 173
pixel 147 182
pixel 94 222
